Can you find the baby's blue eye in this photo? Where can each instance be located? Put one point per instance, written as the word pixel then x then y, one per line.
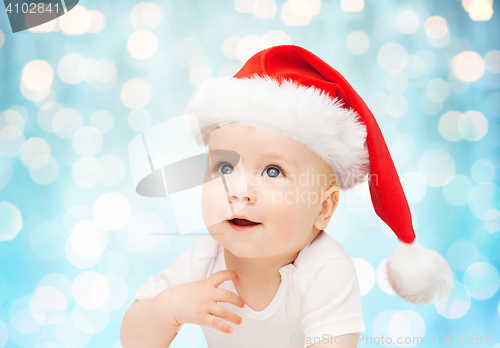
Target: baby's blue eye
pixel 226 169
pixel 273 172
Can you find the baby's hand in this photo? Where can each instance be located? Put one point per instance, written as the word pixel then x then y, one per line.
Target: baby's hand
pixel 196 302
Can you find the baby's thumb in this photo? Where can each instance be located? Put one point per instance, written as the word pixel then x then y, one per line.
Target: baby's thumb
pixel 220 277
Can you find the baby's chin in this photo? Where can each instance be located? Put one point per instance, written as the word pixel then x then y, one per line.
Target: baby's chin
pixel 245 251
pixel 240 247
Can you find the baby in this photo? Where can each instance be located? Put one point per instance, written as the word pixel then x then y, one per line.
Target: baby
pixel 286 133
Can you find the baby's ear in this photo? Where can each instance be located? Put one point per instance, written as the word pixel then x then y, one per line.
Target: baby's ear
pixel 333 194
pixel 329 203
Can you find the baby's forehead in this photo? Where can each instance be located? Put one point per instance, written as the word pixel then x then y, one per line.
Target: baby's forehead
pixel 260 141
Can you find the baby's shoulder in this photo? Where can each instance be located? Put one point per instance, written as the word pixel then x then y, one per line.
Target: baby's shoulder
pixel 323 248
pixel 194 264
pixel 202 256
pixel 205 248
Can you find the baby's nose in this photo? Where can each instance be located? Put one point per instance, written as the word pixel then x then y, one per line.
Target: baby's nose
pixel 235 198
pixel 237 187
pixel 238 202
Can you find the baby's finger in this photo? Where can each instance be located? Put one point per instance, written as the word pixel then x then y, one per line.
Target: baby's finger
pixel 222 295
pixel 220 277
pixel 224 313
pixel 214 323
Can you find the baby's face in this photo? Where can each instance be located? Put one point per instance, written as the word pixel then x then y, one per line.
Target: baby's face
pixel 277 182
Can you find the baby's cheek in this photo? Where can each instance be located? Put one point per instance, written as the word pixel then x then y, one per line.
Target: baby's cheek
pixel 275 193
pixel 297 196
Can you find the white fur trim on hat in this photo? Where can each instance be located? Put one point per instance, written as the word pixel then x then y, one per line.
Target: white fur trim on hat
pixel 418 275
pixel 306 114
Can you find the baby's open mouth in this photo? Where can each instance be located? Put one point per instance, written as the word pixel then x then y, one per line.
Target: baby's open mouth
pixel 243 222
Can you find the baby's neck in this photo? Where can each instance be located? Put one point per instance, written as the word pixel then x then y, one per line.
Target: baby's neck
pixel 255 269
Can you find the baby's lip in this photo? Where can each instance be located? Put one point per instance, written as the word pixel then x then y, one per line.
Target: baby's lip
pixel 243 218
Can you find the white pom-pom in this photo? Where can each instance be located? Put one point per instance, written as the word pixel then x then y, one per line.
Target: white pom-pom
pixel 418 275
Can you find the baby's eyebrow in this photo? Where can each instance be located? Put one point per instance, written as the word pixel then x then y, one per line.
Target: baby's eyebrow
pixel 271 155
pixel 278 156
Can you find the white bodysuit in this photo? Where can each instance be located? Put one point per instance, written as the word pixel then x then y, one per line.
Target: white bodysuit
pixel 318 297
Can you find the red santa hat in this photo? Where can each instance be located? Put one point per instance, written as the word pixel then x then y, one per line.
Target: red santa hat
pixel 290 90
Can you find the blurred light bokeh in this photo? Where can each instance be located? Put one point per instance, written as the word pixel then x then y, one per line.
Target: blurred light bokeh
pixel 76 241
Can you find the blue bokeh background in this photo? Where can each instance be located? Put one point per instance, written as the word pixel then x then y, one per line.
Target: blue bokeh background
pixel 75 91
